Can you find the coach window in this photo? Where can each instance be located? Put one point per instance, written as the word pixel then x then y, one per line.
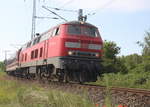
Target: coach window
pixel 22 57
pixel 32 54
pixel 36 53
pixel 41 52
pixel 26 57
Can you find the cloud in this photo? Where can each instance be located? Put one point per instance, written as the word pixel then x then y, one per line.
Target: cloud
pixel 116 5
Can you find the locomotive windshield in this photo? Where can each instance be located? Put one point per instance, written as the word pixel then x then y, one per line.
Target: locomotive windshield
pixel 83 30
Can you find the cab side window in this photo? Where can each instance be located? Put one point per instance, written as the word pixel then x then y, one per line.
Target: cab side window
pixel 56 32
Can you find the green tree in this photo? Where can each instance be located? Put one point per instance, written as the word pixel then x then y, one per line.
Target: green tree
pixel 111 50
pixel 146 48
pixel 146 44
pixel 111 63
pixel 145 65
pixel 146 52
pixel 131 61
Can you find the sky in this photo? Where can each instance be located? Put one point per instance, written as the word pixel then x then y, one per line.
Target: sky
pixel 121 21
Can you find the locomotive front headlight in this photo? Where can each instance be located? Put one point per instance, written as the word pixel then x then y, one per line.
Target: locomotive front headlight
pixel 70 52
pixel 97 55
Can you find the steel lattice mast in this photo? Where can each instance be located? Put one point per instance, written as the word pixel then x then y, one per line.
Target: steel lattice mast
pixel 33 20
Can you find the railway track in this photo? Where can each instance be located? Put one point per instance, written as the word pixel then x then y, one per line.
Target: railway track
pixel 129 97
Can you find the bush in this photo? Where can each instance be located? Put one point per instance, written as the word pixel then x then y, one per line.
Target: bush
pixel 130 80
pixel 109 66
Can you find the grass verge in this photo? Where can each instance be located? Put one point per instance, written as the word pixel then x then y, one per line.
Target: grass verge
pixel 16 94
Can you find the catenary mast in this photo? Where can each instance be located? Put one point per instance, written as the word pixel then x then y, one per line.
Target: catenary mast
pixel 33 20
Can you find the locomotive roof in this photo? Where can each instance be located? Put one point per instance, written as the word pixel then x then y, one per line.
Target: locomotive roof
pixel 78 22
pixel 71 23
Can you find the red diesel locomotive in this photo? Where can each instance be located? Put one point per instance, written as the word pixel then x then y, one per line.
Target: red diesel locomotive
pixel 68 52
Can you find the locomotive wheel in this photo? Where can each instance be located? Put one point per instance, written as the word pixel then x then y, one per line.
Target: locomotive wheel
pixel 27 74
pixel 66 77
pixel 61 77
pixel 43 77
pixel 44 74
pixel 37 75
pixel 80 78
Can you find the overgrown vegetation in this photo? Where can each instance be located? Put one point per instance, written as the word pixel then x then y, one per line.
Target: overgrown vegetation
pixel 2 66
pixel 131 71
pixel 126 71
pixel 16 94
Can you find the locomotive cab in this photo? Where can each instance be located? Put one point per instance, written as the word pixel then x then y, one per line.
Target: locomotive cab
pixel 83 51
pixel 84 38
